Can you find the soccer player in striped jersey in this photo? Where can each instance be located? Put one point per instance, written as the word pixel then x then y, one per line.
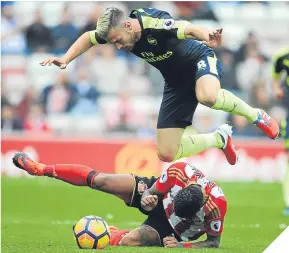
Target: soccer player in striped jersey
pixel 183 53
pixel 281 92
pixel 181 205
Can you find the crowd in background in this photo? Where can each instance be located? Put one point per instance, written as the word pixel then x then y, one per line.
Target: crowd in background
pixel 106 90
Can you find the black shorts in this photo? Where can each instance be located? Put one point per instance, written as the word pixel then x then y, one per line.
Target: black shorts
pixel 157 218
pixel 179 98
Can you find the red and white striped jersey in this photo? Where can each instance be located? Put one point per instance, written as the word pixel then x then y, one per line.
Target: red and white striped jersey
pixel 209 219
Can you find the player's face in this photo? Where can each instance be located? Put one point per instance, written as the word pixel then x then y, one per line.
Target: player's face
pixel 123 38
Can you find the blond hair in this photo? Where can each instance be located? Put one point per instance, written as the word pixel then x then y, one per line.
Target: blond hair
pixel 111 18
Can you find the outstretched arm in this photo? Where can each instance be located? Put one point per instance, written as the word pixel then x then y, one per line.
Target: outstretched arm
pixel 210 38
pixel 211 242
pixel 81 45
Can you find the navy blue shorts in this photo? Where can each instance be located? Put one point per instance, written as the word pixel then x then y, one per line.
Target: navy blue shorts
pixel 285 131
pixel 179 98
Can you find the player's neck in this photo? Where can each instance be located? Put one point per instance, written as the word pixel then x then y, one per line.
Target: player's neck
pixel 137 28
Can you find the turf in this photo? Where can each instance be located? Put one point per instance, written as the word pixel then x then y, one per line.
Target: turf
pixel 38 213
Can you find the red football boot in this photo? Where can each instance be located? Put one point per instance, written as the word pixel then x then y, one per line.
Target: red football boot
pixel 24 162
pixel 268 125
pixel 225 131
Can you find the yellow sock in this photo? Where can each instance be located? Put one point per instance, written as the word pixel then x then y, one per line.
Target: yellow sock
pixel 228 102
pixel 194 144
pixel 286 186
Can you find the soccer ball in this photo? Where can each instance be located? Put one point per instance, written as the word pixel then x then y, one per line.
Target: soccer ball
pixel 91 232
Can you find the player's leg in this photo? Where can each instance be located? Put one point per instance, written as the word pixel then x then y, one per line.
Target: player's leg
pixel 209 93
pixel 176 112
pixel 285 183
pixel 151 233
pixel 120 185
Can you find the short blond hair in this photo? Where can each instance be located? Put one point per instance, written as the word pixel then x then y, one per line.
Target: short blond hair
pixel 111 18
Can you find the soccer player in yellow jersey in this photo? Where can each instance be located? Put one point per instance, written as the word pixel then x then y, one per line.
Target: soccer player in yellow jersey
pixel 281 91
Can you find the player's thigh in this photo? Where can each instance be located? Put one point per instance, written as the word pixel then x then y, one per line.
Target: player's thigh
pixel 142 236
pixel 120 185
pixel 208 76
pixel 168 141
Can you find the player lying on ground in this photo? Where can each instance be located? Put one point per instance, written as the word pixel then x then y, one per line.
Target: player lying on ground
pixel 181 205
pixel 182 52
pixel 281 91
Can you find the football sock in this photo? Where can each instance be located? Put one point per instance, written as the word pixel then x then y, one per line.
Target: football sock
pixel 116 236
pixel 286 186
pixel 228 102
pixel 80 175
pixel 194 144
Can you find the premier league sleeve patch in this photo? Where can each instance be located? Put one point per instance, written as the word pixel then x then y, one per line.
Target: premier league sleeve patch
pixel 216 225
pixel 168 24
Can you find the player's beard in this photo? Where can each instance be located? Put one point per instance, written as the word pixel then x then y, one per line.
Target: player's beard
pixel 132 36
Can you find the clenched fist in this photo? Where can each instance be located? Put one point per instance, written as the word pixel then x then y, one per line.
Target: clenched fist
pixel 149 202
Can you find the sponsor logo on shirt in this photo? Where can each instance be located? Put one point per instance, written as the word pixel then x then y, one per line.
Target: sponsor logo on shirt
pixel 150 57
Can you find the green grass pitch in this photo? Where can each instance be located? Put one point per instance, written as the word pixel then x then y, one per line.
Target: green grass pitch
pixel 38 213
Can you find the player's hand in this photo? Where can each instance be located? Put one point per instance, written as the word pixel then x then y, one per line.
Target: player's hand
pixel 149 202
pixel 59 62
pixel 171 242
pixel 215 38
pixel 279 93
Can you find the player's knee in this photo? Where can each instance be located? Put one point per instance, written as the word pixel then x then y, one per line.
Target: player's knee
pixel 167 155
pixel 207 89
pixel 208 99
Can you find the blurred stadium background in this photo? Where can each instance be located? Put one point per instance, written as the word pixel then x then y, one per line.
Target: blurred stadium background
pixel 102 110
pixel 106 97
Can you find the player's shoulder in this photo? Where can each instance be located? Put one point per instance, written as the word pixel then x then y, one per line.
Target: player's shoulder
pixel 216 203
pixel 280 53
pixel 185 168
pixel 152 12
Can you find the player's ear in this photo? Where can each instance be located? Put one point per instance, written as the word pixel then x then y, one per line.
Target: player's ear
pixel 128 26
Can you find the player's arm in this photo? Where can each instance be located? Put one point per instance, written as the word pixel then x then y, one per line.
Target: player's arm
pixel 210 242
pixel 162 186
pixel 210 38
pixel 182 29
pixel 81 45
pixel 150 197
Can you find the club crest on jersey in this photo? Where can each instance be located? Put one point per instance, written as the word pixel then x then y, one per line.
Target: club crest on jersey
pixel 152 40
pixel 168 24
pixel 141 187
